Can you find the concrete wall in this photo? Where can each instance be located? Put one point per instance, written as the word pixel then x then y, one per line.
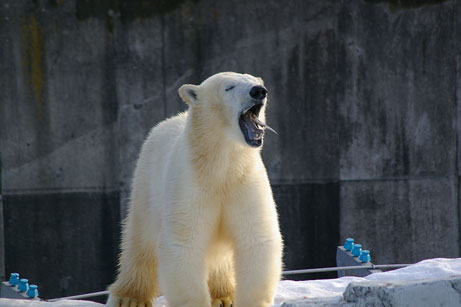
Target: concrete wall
pixel 364 95
pixel 398 129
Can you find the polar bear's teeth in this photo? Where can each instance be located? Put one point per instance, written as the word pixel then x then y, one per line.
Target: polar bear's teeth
pixel 259 122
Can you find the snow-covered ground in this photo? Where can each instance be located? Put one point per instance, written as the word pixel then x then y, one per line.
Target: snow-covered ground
pixel 326 292
pixel 330 291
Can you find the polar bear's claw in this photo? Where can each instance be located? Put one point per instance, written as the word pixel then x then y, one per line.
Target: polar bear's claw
pixel 131 302
pixel 125 302
pixel 221 302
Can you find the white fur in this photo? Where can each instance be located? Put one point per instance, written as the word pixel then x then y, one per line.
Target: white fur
pixel 202 224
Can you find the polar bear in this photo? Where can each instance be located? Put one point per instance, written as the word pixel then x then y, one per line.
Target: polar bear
pixel 202 227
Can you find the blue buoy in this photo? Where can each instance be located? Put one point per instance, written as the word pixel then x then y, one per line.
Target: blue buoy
pixel 357 250
pixel 14 279
pixel 23 285
pixel 365 256
pixel 32 292
pixel 349 244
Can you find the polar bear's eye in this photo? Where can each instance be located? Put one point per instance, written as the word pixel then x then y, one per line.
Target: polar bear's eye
pixel 229 88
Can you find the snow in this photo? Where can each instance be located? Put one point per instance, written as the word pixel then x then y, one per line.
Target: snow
pixel 325 291
pixel 331 290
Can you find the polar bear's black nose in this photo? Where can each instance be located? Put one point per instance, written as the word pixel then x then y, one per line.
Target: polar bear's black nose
pixel 258 92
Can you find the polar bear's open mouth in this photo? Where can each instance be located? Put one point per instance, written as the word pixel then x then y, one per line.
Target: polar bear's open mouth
pixel 251 126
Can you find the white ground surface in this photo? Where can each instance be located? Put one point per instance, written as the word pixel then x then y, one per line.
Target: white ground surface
pixel 331 290
pixel 326 291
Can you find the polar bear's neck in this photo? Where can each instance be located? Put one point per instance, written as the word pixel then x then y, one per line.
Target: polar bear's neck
pixel 216 158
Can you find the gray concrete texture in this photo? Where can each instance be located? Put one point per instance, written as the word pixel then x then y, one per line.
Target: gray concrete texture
pixel 424 293
pixel 364 95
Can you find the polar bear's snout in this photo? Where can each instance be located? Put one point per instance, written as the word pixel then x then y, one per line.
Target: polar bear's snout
pixel 258 92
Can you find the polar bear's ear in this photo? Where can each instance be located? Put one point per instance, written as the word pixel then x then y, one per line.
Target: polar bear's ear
pixel 188 93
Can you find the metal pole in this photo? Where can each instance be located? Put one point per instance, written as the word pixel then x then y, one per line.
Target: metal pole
pixel 77 297
pixel 346 268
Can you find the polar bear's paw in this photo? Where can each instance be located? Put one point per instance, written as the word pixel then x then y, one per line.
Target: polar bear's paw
pixel 132 302
pixel 221 302
pixel 126 302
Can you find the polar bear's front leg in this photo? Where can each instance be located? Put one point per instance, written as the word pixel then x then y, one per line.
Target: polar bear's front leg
pixel 136 284
pixel 182 255
pixel 258 253
pixel 182 276
pixel 258 271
